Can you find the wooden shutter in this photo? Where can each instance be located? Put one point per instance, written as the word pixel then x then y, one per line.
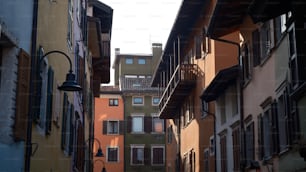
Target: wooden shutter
pixel 129 124
pixel 71 130
pixel 148 124
pixel 223 154
pixel 22 98
pixel 197 42
pixel 49 101
pixel 121 127
pixel 256 48
pixel 260 137
pixel 80 147
pixel 104 123
pixel 64 121
pixel 147 156
pixel 37 86
pixel 275 142
pixel 236 148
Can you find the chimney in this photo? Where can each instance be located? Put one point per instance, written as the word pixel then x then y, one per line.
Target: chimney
pixel 117 51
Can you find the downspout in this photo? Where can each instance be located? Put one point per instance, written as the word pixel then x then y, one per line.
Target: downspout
pixel 242 137
pixel 28 146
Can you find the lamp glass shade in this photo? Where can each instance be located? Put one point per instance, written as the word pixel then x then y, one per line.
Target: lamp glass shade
pixel 70 84
pixel 99 153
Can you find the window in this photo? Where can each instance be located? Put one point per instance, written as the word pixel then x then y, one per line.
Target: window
pixel 169 134
pixel 137 124
pixel 212 145
pixel 236 147
pixel 189 161
pixel 293 62
pixel 282 116
pixel 221 106
pixel 112 154
pixel 113 102
pixel 206 160
pixel 138 101
pixel 158 155
pixel 261 43
pixel 267 128
pixel 197 46
pixel 223 153
pixel 137 155
pixel 79 145
pixel 70 23
pixel 67 128
pixel 141 61
pixel 205 109
pixel 155 101
pixel 46 97
pixel 250 147
pixel 157 124
pixel 188 111
pixel 112 127
pixel 128 61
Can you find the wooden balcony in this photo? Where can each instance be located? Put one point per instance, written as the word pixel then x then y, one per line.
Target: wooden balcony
pixel 178 88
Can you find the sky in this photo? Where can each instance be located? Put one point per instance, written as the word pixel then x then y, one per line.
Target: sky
pixel 139 23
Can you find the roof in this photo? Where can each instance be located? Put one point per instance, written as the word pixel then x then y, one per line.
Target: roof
pixel 220 82
pixel 105 13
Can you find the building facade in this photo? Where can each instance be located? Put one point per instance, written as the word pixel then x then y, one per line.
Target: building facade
pixel 188 64
pixel 109 128
pixel 144 131
pixel 15 70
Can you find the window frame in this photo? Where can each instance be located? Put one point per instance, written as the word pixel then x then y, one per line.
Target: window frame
pixel 108 153
pixel 129 60
pixel 152 155
pixel 136 103
pixel 154 103
pixel 111 132
pixel 155 116
pixel 142 123
pixel 113 102
pixel 141 61
pixel 141 147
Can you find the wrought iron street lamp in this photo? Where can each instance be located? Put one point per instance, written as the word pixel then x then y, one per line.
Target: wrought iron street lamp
pixel 103 168
pixel 99 152
pixel 70 84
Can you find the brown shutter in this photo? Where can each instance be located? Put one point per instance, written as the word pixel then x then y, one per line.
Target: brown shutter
pixel 147 156
pixel 129 124
pixel 80 147
pixel 197 46
pixel 260 137
pixel 49 101
pixel 22 99
pixel 121 127
pixel 147 124
pixel 256 48
pixel 104 123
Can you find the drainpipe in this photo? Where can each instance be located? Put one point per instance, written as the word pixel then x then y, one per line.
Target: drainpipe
pixel 242 135
pixel 28 147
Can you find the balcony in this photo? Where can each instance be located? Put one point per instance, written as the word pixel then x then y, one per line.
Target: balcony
pixel 178 88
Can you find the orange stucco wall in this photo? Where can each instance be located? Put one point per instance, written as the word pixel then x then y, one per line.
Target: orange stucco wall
pixel 104 112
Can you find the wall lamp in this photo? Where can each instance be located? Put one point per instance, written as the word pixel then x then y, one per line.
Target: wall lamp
pixel 70 84
pixel 103 168
pixel 99 152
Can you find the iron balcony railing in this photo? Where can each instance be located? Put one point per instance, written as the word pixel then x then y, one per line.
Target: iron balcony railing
pixel 179 86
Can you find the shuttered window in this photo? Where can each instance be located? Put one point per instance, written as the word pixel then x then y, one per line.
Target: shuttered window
pixel 197 46
pixel 80 147
pixel 158 155
pixel 67 126
pixel 223 153
pixel 112 154
pixel 22 101
pixel 49 101
pixel 236 148
pixel 250 147
pixel 137 155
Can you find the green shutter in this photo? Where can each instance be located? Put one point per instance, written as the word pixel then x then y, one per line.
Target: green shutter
pixel 49 101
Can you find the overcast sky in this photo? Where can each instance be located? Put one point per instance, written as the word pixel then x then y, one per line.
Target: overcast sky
pixel 139 23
